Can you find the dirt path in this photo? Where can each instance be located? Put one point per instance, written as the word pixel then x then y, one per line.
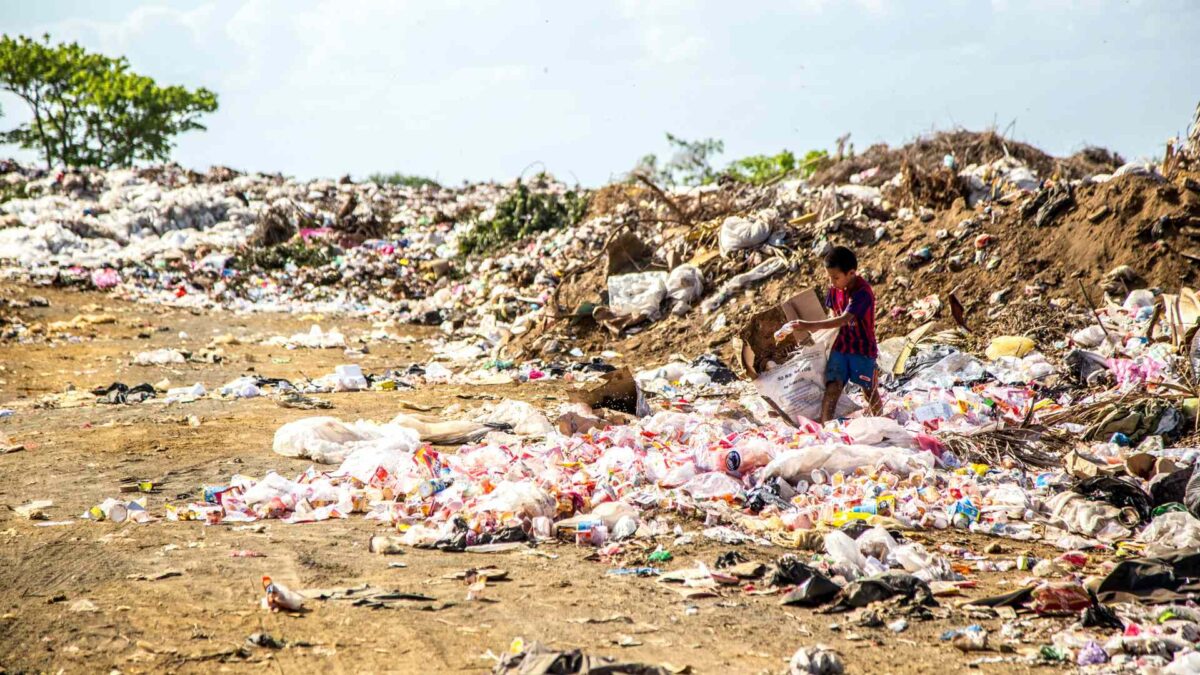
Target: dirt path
pixel 83 597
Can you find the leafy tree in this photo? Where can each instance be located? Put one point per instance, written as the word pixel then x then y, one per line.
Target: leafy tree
pixel 89 109
pixel 760 169
pixel 813 161
pixel 690 163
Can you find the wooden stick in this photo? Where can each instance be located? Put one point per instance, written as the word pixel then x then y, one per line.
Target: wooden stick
pixel 1095 312
pixel 645 180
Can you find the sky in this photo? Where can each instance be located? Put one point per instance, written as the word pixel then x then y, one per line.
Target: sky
pixel 474 89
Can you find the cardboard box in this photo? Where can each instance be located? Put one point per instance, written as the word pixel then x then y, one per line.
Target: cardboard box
pixel 791 375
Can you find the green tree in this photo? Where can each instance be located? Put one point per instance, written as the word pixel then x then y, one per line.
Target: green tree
pixel 690 163
pixel 760 169
pixel 89 109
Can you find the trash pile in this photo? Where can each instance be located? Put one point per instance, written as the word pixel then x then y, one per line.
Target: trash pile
pixel 1009 251
pixel 1020 401
pixel 1090 454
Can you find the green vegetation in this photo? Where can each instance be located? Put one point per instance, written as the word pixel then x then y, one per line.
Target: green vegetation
pixel 521 214
pixel 296 252
pixel 692 164
pixel 761 169
pixel 402 179
pixel 90 109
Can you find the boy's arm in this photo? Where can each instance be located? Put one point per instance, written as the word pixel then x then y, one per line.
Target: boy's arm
pixel 833 322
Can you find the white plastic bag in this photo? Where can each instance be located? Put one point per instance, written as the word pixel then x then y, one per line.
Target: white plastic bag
pixel 765 269
pixel 713 485
pixel 685 285
pixel 158 357
pixel 523 500
pixel 798 464
pixel 798 386
pixel 638 294
pixel 1171 533
pixel 876 543
pixel 738 233
pixel 524 418
pixel 328 440
pixel 304 436
pixel 845 554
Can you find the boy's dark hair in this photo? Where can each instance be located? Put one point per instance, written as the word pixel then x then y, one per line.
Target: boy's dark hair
pixel 842 259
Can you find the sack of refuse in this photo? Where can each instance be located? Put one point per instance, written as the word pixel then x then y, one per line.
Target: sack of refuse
pixel 738 233
pixel 328 440
pixel 685 285
pixel 794 465
pixel 523 500
pixel 638 294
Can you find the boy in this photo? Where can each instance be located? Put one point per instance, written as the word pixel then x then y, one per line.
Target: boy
pixel 852 302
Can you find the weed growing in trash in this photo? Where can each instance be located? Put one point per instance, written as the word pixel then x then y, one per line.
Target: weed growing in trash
pixel 298 252
pixel 403 179
pixel 521 214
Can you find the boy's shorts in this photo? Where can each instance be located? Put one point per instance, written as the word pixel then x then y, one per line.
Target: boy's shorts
pixel 850 368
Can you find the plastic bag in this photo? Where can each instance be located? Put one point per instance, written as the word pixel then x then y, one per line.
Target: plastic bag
pixel 1008 345
pixel 159 357
pixel 524 419
pixel 684 286
pixel 1089 518
pixel 523 500
pixel 876 543
pixel 1170 533
pixel 738 233
pixel 638 294
pixel 767 268
pixel 879 431
pixel 798 464
pixel 304 436
pixel 845 554
pixel 713 485
pixel 798 386
pixel 328 440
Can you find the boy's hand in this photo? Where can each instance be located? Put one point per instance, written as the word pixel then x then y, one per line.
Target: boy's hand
pixel 786 330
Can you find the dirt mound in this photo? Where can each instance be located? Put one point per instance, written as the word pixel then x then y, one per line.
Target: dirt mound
pixel 967 147
pixel 1012 275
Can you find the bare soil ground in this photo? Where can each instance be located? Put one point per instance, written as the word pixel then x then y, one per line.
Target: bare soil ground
pixel 199 618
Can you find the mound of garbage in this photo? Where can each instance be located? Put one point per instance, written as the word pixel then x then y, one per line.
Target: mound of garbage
pixel 1038 373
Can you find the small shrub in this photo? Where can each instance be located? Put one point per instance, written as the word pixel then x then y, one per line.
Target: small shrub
pixel 521 214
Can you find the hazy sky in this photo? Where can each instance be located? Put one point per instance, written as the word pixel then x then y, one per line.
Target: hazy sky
pixel 473 89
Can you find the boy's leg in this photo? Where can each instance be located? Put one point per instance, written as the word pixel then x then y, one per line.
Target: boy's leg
pixel 874 405
pixel 837 372
pixel 833 391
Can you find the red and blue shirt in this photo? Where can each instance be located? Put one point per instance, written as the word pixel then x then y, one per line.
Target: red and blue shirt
pixel 858 336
